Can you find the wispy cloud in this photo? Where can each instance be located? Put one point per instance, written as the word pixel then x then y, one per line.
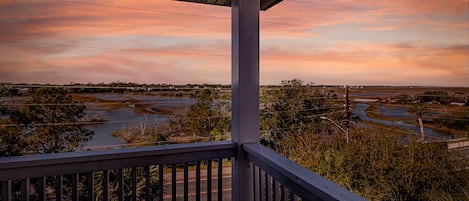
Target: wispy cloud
pixel 335 42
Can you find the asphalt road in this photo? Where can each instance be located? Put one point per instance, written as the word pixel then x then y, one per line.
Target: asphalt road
pixel 226 185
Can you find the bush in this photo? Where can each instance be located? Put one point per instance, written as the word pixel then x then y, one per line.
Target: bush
pixel 382 165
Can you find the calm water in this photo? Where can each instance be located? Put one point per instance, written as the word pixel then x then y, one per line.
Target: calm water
pixel 393 112
pixel 118 119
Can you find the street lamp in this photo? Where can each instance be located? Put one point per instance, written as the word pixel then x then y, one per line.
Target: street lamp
pixel 347 131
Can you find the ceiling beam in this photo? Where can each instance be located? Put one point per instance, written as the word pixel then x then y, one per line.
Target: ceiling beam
pixel 265 4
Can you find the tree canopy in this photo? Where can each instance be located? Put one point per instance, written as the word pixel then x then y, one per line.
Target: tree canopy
pixel 49 122
pixel 294 108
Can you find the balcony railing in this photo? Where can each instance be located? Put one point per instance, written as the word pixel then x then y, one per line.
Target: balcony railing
pixel 169 172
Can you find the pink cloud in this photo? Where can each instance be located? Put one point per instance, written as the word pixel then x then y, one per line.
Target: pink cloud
pixel 170 41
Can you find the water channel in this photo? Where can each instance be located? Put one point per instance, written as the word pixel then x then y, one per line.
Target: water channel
pixel 119 118
pixel 393 112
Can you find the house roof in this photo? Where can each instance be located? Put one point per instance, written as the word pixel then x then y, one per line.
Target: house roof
pixel 265 4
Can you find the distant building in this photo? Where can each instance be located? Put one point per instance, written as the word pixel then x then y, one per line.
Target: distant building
pixel 458 104
pixel 366 100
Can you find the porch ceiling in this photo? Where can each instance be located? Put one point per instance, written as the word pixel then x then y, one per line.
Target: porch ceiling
pixel 265 4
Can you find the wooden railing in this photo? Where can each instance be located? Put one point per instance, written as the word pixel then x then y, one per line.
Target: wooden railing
pixel 148 173
pixel 278 178
pixel 171 172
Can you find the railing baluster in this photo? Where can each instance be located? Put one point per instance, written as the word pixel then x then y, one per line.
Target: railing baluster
pixel 134 183
pixel 42 185
pixel 75 181
pixel 58 187
pixel 300 181
pixel 90 185
pixel 186 182
pixel 276 191
pixel 160 182
pixel 295 197
pixel 262 184
pixel 98 176
pixel 7 194
pixel 268 187
pixel 147 184
pixel 284 193
pixel 291 195
pixel 120 181
pixel 25 189
pixel 257 188
pixel 209 180
pixel 106 185
pixel 220 179
pixel 173 182
pixel 197 181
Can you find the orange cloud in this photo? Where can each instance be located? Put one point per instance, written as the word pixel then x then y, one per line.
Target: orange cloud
pixel 335 42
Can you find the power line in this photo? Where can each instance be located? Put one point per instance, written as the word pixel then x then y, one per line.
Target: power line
pixel 141 9
pixel 40 104
pixel 15 43
pixel 426 116
pixel 389 129
pixel 170 87
pixel 321 3
pixel 52 124
pixel 163 11
pixel 144 120
pixel 304 99
pixel 297 111
pixel 307 117
pixel 28 43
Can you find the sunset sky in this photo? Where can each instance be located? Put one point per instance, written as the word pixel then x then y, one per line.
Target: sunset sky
pixel 355 42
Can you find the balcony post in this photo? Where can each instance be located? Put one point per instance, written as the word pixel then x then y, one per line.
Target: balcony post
pixel 245 90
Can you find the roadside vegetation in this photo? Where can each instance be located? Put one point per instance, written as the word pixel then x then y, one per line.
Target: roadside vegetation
pixel 380 164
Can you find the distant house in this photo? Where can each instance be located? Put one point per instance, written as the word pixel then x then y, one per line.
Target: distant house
pixel 366 100
pixel 458 104
pixel 24 90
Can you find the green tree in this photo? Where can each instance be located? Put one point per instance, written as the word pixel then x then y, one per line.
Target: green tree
pixel 419 110
pixel 294 108
pixel 48 123
pixel 12 143
pixel 441 97
pixel 403 99
pixel 209 116
pixel 143 131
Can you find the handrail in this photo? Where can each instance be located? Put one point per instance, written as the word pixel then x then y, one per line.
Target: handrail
pixel 275 169
pixel 21 167
pixel 299 180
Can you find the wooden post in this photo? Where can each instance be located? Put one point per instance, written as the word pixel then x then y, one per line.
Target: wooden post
pixel 347 113
pixel 245 91
pixel 422 131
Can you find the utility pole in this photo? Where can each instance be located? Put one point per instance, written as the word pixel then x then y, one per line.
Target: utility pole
pixel 422 131
pixel 347 113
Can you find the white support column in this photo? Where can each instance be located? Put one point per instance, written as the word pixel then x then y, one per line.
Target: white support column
pixel 245 90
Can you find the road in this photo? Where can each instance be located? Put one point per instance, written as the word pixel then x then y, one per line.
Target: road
pixel 226 185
